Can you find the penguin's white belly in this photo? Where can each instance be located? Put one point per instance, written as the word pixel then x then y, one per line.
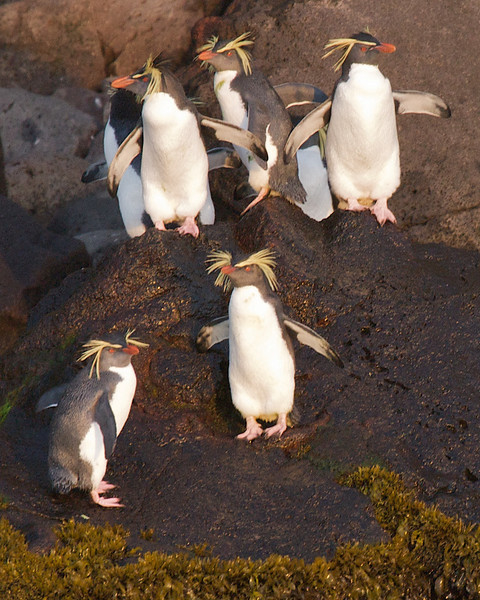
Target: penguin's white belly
pixel 362 145
pixel 92 451
pixel 121 400
pixel 313 176
pixel 174 161
pixel 261 369
pixel 234 111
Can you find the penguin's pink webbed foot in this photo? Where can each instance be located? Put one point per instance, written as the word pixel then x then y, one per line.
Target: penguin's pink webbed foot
pixel 382 212
pixel 355 206
pixel 160 225
pixel 103 487
pixel 279 428
pixel 189 227
pixel 263 192
pixel 254 430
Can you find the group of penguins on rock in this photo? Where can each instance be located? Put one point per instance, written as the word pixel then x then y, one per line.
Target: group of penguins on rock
pixel 157 165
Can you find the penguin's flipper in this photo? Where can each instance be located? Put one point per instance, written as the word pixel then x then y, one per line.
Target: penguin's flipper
pixel 296 94
pixel 51 398
pixel 95 172
pixel 104 417
pixel 236 135
pixel 219 158
pixel 307 336
pixel 128 150
pixel 213 333
pixel 422 103
pixel 311 123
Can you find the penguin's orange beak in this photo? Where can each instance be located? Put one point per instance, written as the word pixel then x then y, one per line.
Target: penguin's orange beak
pixel 130 349
pixel 227 269
pixel 387 48
pixel 206 55
pixel 122 82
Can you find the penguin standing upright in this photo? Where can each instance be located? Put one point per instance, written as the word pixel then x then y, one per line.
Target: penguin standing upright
pixel 361 145
pixel 261 359
pixel 174 169
pixel 90 415
pixel 248 100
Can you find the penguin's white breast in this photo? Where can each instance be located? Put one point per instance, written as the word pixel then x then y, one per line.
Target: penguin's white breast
pixel 92 451
pixel 261 367
pixel 122 397
pixel 233 109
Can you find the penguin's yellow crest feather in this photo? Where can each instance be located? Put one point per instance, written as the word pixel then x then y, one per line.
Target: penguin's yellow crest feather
pixel 151 69
pixel 95 347
pixel 238 44
pixel 343 45
pixel 264 259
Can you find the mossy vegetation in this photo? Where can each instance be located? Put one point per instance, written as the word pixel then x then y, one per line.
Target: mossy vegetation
pixel 429 555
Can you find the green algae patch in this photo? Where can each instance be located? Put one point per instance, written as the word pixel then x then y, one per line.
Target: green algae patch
pixel 429 555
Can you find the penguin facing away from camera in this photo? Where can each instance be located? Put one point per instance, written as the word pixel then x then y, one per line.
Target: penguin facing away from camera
pixel 361 145
pixel 90 415
pixel 174 168
pixel 247 99
pixel 261 358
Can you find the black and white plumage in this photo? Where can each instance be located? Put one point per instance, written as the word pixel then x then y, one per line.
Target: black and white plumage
pixel 247 99
pixel 361 145
pixel 261 358
pixel 174 168
pixel 90 413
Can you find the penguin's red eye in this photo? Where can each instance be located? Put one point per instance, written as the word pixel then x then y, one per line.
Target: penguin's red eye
pixel 145 79
pixel 363 48
pixel 229 53
pixel 247 269
pixel 111 350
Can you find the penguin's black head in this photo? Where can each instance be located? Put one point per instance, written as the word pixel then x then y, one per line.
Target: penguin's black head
pixel 256 269
pixel 360 48
pixel 147 80
pixel 227 55
pixel 113 350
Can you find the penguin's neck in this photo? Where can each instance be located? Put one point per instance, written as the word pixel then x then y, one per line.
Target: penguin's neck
pixel 121 399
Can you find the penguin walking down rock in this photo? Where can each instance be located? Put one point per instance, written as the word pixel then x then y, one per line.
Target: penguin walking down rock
pixel 261 358
pixel 174 170
pixel 247 99
pixel 90 414
pixel 361 145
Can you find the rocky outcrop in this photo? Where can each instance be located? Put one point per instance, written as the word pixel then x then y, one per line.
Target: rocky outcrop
pixel 32 260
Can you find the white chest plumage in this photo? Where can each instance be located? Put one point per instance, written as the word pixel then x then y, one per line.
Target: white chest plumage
pixel 362 146
pixel 235 112
pixel 261 369
pixel 174 160
pixel 121 400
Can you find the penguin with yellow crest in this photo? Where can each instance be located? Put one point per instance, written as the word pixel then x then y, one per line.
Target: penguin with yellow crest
pixel 261 357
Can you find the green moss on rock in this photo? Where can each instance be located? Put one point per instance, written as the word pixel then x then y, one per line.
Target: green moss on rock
pixel 429 556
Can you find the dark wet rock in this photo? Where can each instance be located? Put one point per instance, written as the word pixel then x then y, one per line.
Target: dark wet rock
pixel 32 260
pixel 402 316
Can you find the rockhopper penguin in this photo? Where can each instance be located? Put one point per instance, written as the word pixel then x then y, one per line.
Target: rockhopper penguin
pixel 89 417
pixel 261 359
pixel 247 99
pixel 361 146
pixel 174 169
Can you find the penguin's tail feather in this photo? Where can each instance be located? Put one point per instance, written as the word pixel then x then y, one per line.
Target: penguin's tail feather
pixel 62 479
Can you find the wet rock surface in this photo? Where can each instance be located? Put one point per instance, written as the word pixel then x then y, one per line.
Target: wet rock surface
pixel 404 319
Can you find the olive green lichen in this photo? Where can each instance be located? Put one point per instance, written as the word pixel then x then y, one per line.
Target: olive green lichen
pixel 429 555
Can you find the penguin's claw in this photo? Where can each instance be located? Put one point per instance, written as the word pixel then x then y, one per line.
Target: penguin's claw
pixel 277 429
pixel 106 502
pixel 254 430
pixel 160 225
pixel 189 226
pixel 104 486
pixel 382 212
